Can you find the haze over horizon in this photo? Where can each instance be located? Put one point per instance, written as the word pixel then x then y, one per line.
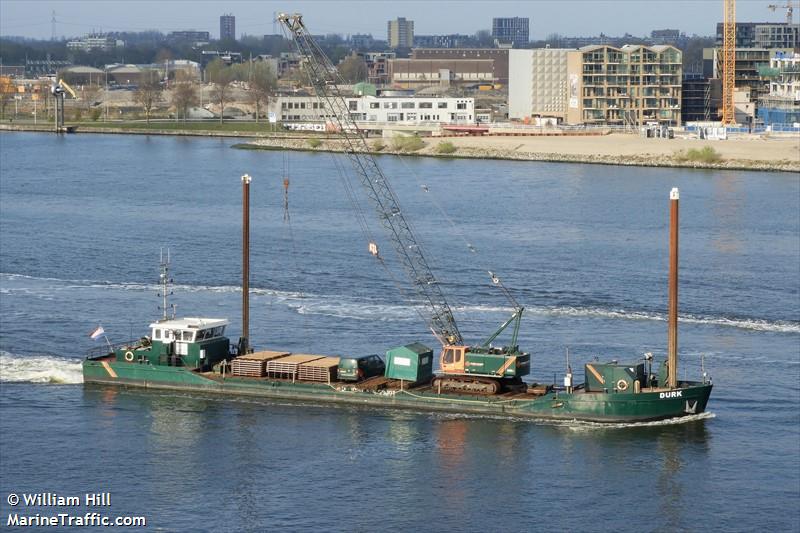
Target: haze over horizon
pixel 33 19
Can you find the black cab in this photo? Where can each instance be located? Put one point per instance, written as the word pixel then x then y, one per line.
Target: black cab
pixel 356 368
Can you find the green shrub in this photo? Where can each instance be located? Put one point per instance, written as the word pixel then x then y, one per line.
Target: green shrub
pixel 706 154
pixel 95 113
pixel 378 145
pixel 313 142
pixel 404 143
pixel 445 147
pixel 78 114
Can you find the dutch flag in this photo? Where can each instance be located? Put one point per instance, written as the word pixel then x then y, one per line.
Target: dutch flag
pixel 97 333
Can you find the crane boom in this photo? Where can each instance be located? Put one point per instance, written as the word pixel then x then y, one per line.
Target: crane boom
pixel 324 79
pixel 728 63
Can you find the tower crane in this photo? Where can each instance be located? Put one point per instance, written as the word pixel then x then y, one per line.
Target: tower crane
pixel 789 9
pixel 476 368
pixel 728 62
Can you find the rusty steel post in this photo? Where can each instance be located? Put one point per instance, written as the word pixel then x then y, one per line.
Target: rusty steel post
pixel 246 262
pixel 672 335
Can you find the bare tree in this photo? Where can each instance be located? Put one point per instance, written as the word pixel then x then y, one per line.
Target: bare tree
pixel 148 94
pixel 353 69
pixel 221 76
pixel 262 84
pixel 184 94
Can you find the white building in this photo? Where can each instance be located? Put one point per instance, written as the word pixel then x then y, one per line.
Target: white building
pixel 94 41
pixel 404 110
pixel 537 83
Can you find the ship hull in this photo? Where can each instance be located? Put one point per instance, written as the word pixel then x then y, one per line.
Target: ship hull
pixel 689 398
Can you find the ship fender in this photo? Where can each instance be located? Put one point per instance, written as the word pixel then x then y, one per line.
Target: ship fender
pixel 622 385
pixel 129 356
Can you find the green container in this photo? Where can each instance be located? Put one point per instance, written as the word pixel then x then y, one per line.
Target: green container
pixel 412 363
pixel 613 377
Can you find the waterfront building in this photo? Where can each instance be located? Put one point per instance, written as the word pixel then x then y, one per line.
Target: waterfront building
pixel 400 33
pixel 605 85
pixel 227 27
pixel 781 106
pixel 539 86
pixel 752 64
pixel 513 31
pixel 700 98
pixel 407 110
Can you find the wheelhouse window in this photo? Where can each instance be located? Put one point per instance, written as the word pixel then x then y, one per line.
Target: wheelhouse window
pixel 156 333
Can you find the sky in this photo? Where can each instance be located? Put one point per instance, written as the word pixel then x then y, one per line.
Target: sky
pixel 33 18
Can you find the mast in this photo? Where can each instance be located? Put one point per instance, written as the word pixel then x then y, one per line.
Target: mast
pixel 672 331
pixel 164 281
pixel 244 343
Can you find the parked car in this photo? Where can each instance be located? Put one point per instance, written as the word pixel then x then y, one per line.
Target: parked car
pixel 356 368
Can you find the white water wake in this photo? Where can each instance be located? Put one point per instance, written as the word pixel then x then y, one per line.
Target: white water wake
pixel 358 309
pixel 39 369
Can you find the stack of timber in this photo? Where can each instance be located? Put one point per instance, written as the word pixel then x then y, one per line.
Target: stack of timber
pixel 324 370
pixel 286 367
pixel 254 364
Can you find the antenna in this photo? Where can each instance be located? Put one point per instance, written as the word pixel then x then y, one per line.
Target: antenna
pixel 53 26
pixel 164 281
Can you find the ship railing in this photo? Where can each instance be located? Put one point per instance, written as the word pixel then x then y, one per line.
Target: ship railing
pixel 108 349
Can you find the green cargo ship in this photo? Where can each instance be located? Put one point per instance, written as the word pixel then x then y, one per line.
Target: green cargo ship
pixel 194 354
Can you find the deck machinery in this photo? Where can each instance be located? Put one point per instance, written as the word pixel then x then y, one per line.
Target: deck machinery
pixel 462 367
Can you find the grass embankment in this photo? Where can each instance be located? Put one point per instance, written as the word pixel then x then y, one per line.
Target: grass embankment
pixel 706 154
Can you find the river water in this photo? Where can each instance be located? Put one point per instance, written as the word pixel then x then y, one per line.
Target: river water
pixel 582 247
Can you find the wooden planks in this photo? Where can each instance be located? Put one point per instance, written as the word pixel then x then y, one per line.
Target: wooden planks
pixel 324 370
pixel 254 364
pixel 286 367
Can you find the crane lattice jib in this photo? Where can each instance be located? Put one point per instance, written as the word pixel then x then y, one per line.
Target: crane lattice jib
pixel 728 63
pixel 323 77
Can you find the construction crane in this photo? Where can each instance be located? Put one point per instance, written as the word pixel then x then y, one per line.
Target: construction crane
pixel 789 9
pixel 500 367
pixel 728 62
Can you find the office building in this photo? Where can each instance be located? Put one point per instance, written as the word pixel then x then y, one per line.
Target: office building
pixel 400 33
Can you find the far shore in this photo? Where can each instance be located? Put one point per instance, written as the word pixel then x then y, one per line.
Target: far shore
pixel 743 153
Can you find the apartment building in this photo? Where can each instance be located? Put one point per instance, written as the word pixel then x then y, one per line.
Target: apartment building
pixel 513 31
pixel 227 27
pixel 604 85
pixel 400 33
pixel 763 35
pixel 782 104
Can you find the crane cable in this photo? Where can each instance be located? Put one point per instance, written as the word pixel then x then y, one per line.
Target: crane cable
pixel 472 249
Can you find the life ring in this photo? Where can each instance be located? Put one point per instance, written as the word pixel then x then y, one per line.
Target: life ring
pixel 129 356
pixel 622 385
